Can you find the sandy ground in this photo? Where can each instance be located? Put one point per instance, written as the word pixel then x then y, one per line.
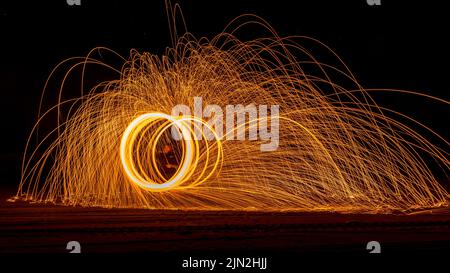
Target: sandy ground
pixel 32 228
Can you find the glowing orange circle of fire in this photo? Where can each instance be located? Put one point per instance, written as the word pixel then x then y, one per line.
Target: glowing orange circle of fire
pixel 190 156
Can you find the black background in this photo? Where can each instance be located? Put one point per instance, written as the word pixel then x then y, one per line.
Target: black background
pixel 400 45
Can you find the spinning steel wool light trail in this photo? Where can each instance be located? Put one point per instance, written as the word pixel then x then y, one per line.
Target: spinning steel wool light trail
pixel 337 149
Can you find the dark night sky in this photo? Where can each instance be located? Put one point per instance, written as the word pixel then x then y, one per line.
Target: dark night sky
pixel 402 46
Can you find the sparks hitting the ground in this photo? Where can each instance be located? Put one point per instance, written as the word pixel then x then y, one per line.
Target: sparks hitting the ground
pixel 338 150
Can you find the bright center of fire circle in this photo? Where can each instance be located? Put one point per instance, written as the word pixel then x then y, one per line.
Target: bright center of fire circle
pixel 132 161
pixel 129 138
